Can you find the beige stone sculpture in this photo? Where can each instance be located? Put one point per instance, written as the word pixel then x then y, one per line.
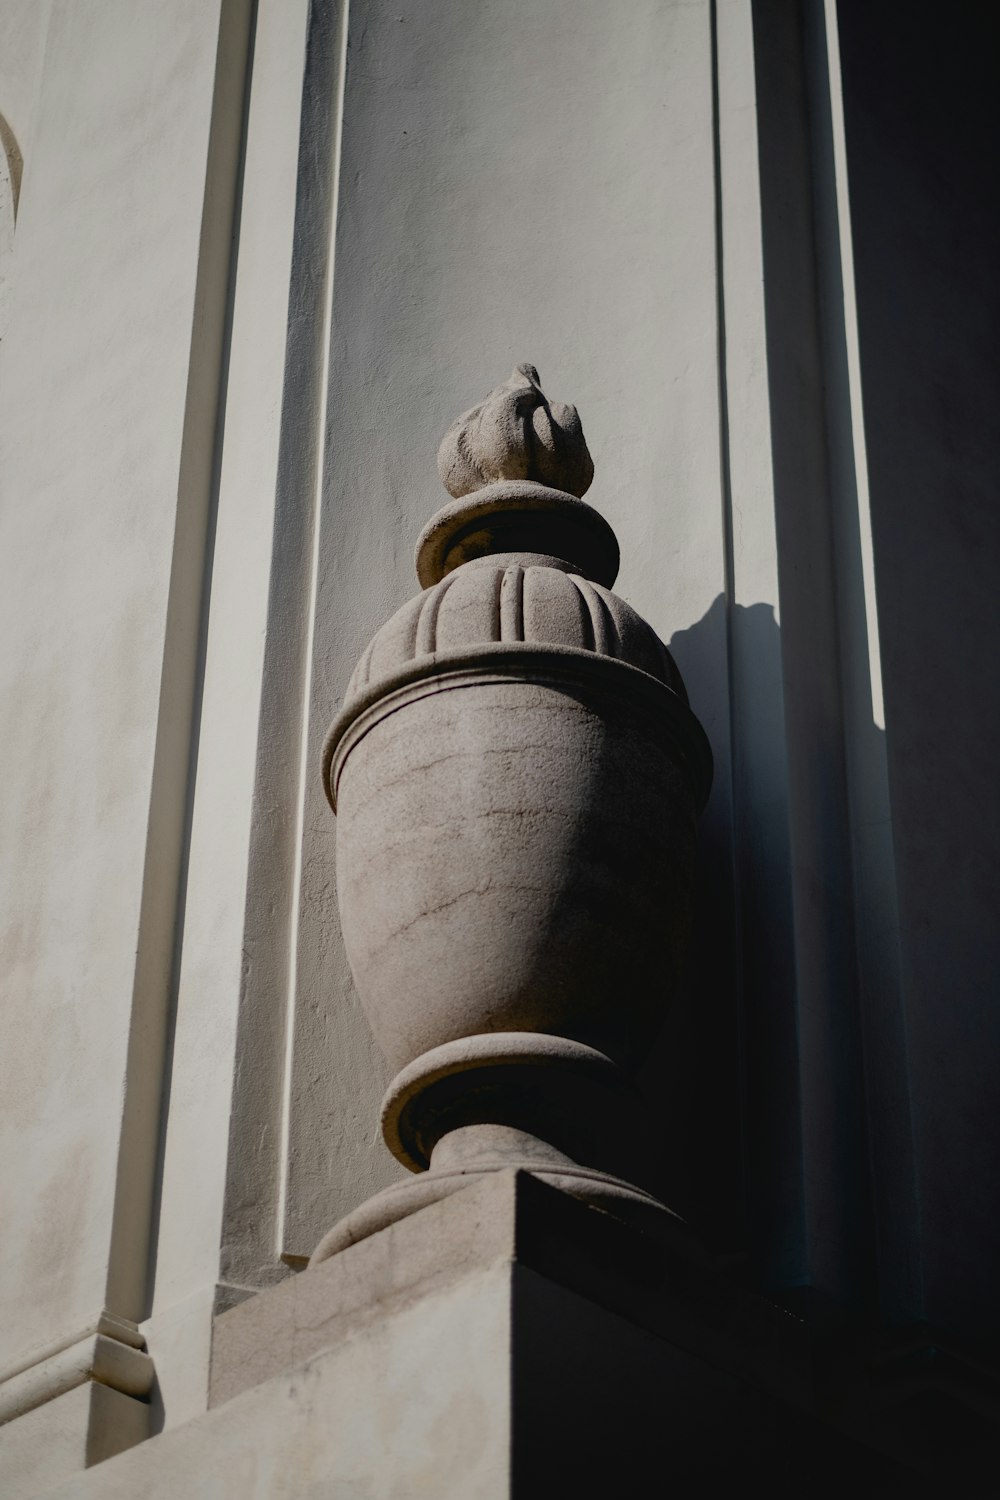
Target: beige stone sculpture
pixel 516 775
pixel 516 434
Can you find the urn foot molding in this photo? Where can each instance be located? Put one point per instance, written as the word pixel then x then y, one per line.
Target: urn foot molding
pixel 516 775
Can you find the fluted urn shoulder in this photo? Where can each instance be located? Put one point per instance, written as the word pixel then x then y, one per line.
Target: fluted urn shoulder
pixel 516 774
pixel 511 600
pixel 514 600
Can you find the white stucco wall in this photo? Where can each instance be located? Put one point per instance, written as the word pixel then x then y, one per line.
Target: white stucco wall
pixel 237 319
pixel 109 373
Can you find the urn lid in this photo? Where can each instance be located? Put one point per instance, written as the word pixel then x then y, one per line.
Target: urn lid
pixel 517 515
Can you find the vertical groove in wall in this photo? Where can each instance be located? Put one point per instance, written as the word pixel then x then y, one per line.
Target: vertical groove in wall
pixel 888 1112
pixel 258 1121
pixel 834 1265
pixel 172 783
pixel 309 606
pixel 729 568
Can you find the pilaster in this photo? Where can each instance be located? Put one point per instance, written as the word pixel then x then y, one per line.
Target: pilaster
pixel 108 413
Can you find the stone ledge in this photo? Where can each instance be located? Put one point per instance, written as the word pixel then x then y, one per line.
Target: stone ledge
pixel 312 1310
pixel 746 1355
pixel 111 1352
pixel 503 1344
pixel 512 1217
pixel 510 1342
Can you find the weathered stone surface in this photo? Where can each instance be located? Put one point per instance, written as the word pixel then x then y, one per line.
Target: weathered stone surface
pixel 516 434
pixel 507 1217
pixel 119 302
pixel 504 868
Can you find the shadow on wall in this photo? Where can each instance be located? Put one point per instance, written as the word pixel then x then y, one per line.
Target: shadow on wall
pixel 691 1081
pixel 725 1084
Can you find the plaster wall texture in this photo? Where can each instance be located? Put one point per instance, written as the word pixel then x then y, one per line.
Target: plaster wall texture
pixel 23 27
pixel 109 373
pixel 415 1404
pixel 506 1339
pixel 424 198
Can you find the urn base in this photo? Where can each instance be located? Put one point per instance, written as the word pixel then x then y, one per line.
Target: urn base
pixel 509 1100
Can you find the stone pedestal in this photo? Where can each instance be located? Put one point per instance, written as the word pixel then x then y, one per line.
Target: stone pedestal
pixel 506 1341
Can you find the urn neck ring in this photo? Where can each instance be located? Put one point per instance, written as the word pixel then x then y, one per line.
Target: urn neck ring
pixel 463 1067
pixel 517 515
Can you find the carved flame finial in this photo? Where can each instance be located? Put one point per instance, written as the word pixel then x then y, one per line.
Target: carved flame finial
pixel 516 433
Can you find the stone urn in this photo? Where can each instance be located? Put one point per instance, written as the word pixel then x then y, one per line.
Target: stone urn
pixel 516 776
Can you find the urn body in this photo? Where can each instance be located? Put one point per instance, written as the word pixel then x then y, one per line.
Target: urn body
pixel 515 843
